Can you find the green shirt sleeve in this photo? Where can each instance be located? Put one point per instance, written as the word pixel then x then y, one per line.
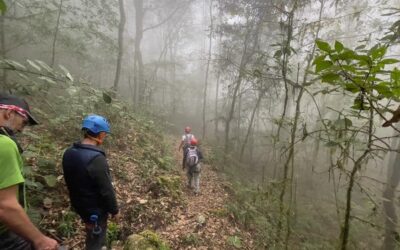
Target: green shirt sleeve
pixel 10 163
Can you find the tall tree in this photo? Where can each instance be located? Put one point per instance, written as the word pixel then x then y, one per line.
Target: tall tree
pixel 207 69
pixel 121 27
pixel 56 29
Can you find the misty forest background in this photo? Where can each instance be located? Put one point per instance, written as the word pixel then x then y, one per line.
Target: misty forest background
pixel 288 96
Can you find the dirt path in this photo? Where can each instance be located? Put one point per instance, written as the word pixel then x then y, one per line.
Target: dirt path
pixel 203 223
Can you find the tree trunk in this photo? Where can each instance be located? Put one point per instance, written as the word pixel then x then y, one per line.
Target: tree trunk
pixel 121 28
pixel 207 71
pixel 261 93
pixel 138 60
pixel 393 178
pixel 53 52
pixel 3 51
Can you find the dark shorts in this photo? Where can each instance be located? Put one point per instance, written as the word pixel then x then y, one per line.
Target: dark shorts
pixel 12 241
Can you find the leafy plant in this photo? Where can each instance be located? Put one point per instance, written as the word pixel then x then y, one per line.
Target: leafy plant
pixel 66 226
pixel 113 232
pixel 235 241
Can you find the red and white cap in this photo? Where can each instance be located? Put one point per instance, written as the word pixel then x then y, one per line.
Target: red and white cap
pixel 19 105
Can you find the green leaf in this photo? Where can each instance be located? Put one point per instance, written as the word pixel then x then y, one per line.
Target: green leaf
pixel 235 241
pixel 324 46
pixel 321 65
pixel 338 46
pixel 348 122
pixel 383 89
pixel 389 61
pixel 360 47
pixel 51 180
pixel 319 59
pixel 107 98
pixel 347 55
pixel 3 7
pixel 377 51
pixel 330 77
pixel 351 87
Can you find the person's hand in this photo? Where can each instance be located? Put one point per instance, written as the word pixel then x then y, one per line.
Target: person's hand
pixel 45 243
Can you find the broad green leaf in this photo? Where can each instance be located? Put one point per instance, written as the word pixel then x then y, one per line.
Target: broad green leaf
pixel 360 47
pixel 383 89
pixel 389 61
pixel 3 7
pixel 51 180
pixel 348 122
pixel 319 59
pixel 395 75
pixel 338 46
pixel 347 55
pixel 377 51
pixel 324 46
pixel 351 87
pixel 278 54
pixel 321 65
pixel 330 77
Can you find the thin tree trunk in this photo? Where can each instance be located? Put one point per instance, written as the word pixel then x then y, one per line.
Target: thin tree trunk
pixel 121 27
pixel 3 51
pixel 249 129
pixel 53 52
pixel 207 70
pixel 138 60
pixel 393 178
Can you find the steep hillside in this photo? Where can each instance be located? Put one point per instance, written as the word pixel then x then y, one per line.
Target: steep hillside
pixel 155 202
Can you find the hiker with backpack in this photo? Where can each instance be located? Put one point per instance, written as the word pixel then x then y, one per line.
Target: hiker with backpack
pixel 87 175
pixel 192 163
pixel 185 143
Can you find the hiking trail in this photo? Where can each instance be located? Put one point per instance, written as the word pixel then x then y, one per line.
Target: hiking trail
pixel 203 221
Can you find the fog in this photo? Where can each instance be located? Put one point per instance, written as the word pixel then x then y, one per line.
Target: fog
pixel 310 160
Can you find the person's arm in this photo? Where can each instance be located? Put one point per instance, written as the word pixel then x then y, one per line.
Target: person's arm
pixel 180 146
pixel 99 171
pixel 13 216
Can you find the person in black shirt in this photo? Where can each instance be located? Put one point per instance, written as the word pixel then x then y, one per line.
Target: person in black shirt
pixel 87 175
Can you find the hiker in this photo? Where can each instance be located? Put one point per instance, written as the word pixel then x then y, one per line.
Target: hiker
pixel 192 163
pixel 185 143
pixel 87 175
pixel 17 232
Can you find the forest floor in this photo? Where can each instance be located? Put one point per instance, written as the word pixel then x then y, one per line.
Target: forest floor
pixel 204 222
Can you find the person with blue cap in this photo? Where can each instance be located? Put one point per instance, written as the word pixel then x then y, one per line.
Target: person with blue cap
pixel 87 175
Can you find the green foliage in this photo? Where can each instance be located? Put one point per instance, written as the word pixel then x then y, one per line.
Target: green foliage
pixel 66 227
pixel 235 241
pixel 3 7
pixel 191 240
pixel 113 233
pixel 363 73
